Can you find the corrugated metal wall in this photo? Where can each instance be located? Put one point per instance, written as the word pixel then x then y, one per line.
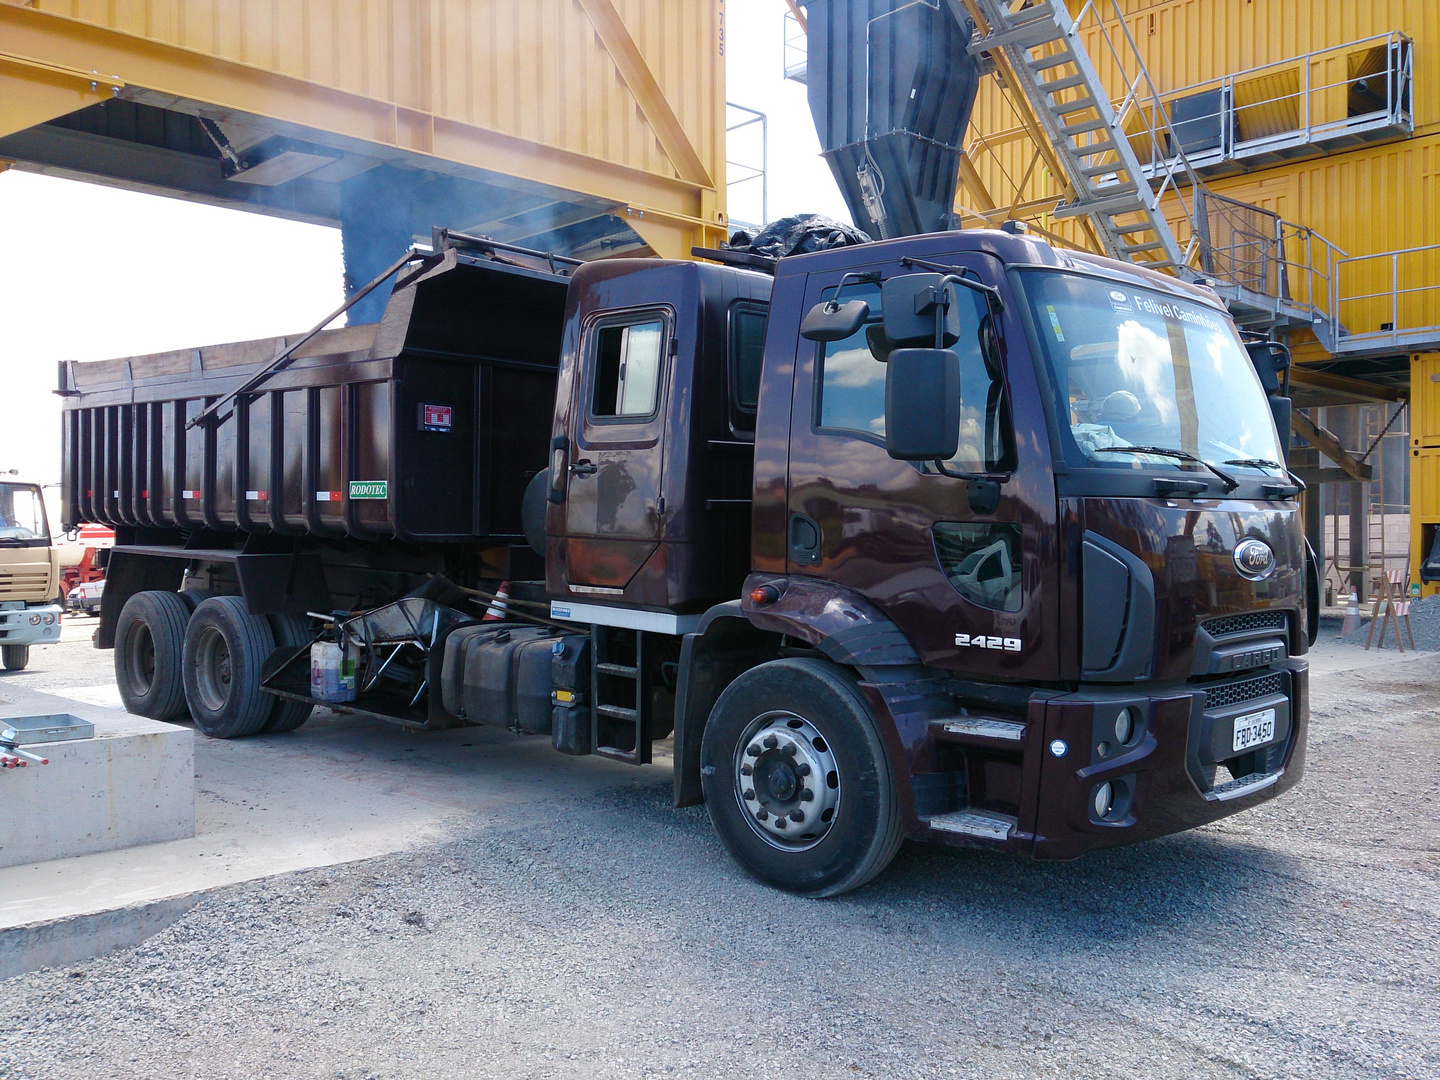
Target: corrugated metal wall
pixel 1367 200
pixel 533 69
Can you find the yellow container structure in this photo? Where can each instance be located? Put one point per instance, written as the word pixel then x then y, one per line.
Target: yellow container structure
pixel 1324 114
pixel 593 126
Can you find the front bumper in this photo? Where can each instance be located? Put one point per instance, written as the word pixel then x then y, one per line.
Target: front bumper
pixel 1030 786
pixel 29 625
pixel 1180 772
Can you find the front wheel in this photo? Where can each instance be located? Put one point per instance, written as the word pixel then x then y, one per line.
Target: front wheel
pixel 797 781
pixel 14 657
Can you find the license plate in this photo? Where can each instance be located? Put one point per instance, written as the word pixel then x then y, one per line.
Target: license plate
pixel 1254 728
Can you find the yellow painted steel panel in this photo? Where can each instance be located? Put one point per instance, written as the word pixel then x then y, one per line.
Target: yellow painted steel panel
pixel 536 70
pixel 1268 104
pixel 634 88
pixel 1424 508
pixel 1425 401
pixel 1366 200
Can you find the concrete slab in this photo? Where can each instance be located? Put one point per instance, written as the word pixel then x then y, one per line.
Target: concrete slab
pixel 132 783
pixel 338 789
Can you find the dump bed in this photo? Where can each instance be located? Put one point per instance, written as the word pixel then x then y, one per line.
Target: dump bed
pixel 423 427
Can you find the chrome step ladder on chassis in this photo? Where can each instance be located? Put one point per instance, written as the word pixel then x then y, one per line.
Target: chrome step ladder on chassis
pixel 1091 136
pixel 619 681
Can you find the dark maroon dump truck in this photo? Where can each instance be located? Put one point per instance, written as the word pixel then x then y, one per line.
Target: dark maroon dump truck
pixel 956 537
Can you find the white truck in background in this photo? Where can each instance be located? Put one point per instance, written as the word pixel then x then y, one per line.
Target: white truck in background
pixel 30 601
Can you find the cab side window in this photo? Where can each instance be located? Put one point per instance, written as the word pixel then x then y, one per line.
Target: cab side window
pixel 747 345
pixel 628 370
pixel 852 383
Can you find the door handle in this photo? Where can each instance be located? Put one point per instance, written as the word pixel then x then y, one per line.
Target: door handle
pixel 804 540
pixel 582 468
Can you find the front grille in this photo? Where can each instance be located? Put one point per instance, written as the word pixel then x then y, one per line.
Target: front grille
pixel 24 585
pixel 1226 694
pixel 1244 624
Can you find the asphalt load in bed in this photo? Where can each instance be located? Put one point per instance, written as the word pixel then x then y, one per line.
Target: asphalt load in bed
pixel 609 936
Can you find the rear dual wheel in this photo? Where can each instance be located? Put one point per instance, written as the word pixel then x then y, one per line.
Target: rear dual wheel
pixel 797 780
pixel 194 650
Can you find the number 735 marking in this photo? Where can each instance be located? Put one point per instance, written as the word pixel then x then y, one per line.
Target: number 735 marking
pixel 980 641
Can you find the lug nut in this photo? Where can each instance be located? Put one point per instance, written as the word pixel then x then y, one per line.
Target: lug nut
pixel 797 815
pixel 749 793
pixel 761 815
pixel 790 749
pixel 803 769
pixel 753 751
pixel 771 742
pixel 780 823
pixel 746 770
pixel 806 795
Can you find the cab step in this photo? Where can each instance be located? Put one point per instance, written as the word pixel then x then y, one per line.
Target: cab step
pixel 976 824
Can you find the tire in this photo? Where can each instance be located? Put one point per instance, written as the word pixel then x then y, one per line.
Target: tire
pixel 14 657
pixel 819 721
pixel 149 652
pixel 195 597
pixel 224 647
pixel 286 715
pixel 532 511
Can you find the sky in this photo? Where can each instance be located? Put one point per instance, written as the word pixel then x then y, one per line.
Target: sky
pixel 90 272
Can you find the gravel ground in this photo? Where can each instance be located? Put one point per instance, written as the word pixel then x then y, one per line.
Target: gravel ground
pixel 609 936
pixel 1424 622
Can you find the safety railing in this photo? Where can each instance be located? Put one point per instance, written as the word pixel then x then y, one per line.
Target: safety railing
pixel 1389 300
pixel 1356 92
pixel 1292 266
pixel 796 57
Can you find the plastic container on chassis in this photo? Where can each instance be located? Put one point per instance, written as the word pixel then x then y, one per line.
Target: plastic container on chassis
pixel 423 427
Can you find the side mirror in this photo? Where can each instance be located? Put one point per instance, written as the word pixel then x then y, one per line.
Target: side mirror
pixel 922 404
pixel 1271 360
pixel 1280 410
pixel 909 303
pixel 829 321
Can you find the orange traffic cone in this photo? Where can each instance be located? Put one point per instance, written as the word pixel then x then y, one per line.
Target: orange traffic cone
pixel 500 605
pixel 1352 615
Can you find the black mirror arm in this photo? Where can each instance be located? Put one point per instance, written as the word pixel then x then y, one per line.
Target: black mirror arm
pixel 960 276
pixel 833 304
pixel 982 492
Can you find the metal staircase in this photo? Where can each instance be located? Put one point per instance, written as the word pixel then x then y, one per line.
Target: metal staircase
pixel 1094 139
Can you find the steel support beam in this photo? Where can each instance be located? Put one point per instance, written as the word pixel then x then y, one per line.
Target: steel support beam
pixel 680 211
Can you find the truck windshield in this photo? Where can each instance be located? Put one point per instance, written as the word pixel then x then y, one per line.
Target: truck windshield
pixel 22 514
pixel 1135 367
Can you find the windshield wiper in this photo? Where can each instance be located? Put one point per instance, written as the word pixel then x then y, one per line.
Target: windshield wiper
pixel 1264 463
pixel 1181 455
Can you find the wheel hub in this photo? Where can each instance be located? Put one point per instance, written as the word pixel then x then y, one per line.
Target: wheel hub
pixel 787 780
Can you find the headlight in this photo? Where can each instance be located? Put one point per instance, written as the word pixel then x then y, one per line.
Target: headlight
pixel 34 620
pixel 1103 801
pixel 1126 725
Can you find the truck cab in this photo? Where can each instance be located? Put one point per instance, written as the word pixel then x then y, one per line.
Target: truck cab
pixel 1081 625
pixel 29 575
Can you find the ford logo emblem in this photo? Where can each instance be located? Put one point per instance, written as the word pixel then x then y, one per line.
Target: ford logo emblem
pixel 1254 559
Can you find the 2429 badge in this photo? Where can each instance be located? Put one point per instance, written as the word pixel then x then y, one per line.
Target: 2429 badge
pixel 981 641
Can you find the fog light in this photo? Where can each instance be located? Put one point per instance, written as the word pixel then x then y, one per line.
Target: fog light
pixel 1125 726
pixel 49 620
pixel 1104 800
pixel 34 620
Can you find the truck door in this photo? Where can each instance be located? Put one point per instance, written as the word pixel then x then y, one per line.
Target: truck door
pixel 613 504
pixel 968 580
